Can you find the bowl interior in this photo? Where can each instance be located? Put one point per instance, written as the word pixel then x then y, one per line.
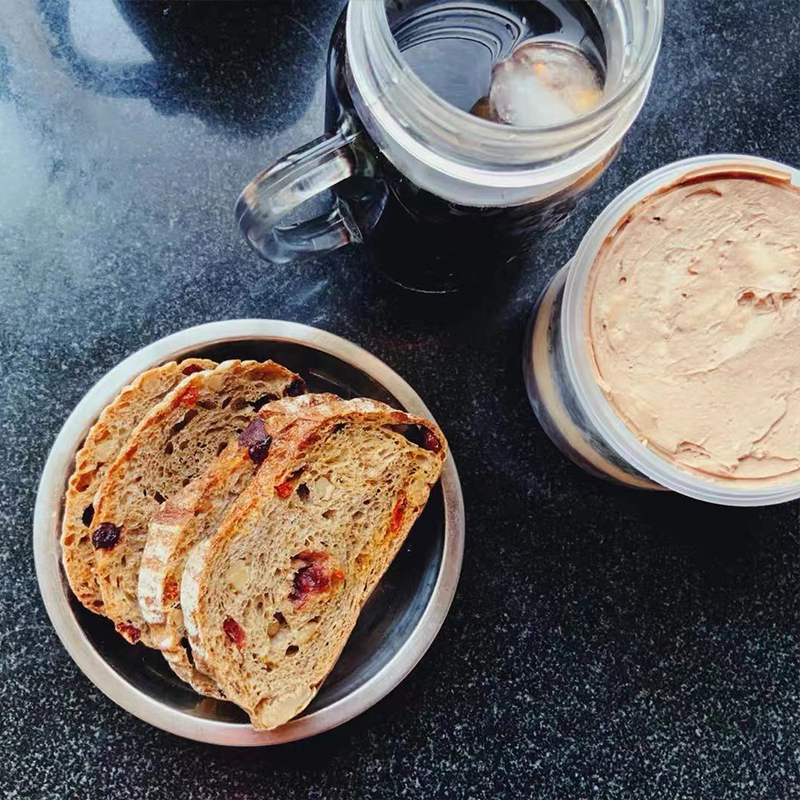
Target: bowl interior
pixel 389 616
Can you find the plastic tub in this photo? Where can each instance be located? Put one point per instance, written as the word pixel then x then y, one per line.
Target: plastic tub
pixel 561 379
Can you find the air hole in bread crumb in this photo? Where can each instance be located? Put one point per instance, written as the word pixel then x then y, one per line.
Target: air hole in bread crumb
pixel 189 655
pixel 209 405
pixel 187 418
pixel 414 433
pixel 238 404
pixel 168 448
pixel 221 447
pixel 330 513
pixel 279 617
pixel 338 427
pixel 159 498
pixel 303 493
pixel 292 650
pixel 82 484
pixel 357 516
pixel 186 481
pixel 226 402
pixel 263 400
pixel 88 515
pixel 273 628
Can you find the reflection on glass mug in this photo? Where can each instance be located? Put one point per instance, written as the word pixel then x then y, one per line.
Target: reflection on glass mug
pixel 458 131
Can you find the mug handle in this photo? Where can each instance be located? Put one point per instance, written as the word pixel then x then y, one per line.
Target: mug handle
pixel 289 183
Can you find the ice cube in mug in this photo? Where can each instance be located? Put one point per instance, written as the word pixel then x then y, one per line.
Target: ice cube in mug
pixel 541 84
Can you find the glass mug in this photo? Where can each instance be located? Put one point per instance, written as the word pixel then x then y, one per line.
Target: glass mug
pixel 438 195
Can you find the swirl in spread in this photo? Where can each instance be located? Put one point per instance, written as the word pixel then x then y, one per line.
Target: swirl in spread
pixel 694 325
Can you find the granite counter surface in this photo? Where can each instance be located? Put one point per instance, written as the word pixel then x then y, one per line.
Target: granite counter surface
pixel 603 643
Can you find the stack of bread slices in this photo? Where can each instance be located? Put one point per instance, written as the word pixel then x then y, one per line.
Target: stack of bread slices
pixel 222 515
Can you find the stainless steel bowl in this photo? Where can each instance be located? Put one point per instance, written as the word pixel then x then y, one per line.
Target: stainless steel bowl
pixel 396 626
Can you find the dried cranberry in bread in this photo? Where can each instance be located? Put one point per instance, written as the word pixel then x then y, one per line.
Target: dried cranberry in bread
pixel 271 599
pixel 103 443
pixel 194 514
pixel 173 444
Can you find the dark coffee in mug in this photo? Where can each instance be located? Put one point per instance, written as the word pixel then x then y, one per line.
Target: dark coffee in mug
pixel 458 132
pixel 421 240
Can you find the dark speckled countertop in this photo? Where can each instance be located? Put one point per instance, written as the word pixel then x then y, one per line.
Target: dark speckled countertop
pixel 604 643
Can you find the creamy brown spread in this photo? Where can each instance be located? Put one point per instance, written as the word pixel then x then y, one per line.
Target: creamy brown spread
pixel 694 325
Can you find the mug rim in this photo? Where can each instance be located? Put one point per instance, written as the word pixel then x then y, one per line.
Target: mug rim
pixel 450 117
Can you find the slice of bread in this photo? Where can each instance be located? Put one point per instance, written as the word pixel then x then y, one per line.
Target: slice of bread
pixel 103 443
pixel 194 514
pixel 270 600
pixel 173 444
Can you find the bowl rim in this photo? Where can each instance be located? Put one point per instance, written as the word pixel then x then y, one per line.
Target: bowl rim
pixel 55 594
